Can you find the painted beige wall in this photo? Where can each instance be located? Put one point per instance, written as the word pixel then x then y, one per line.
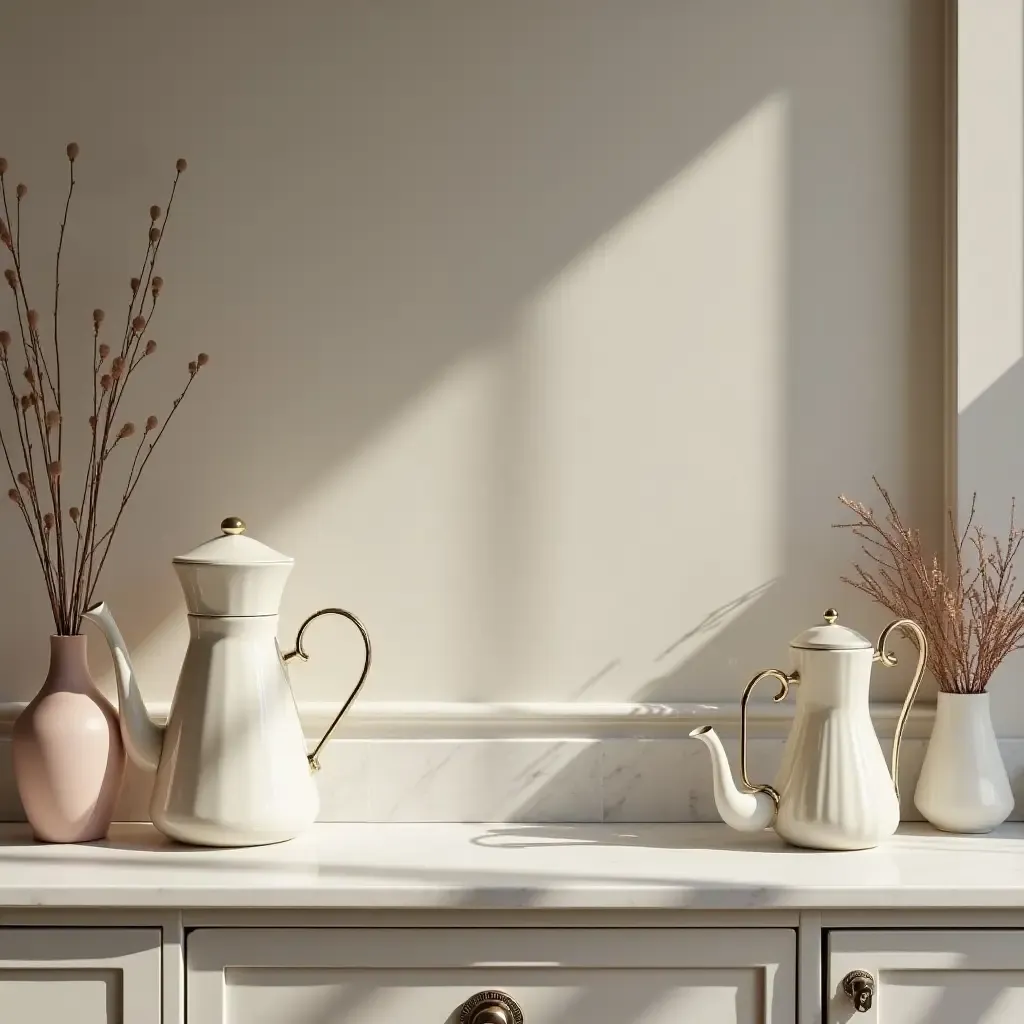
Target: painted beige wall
pixel 544 335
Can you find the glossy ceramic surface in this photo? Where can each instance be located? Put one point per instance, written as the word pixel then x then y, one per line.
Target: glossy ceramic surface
pixel 233 768
pixel 233 575
pixel 963 785
pixel 834 787
pixel 231 764
pixel 833 790
pixel 67 751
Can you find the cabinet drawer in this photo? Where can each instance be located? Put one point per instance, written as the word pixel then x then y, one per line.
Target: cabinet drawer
pixel 928 977
pixel 85 975
pixel 602 976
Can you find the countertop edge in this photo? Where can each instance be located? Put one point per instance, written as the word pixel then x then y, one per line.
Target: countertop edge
pixel 446 868
pixel 394 898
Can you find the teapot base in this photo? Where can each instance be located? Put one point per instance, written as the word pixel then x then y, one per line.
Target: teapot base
pixel 838 836
pixel 197 832
pixel 833 846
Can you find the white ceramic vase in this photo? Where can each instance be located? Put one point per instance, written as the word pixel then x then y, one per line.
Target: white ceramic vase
pixel 963 785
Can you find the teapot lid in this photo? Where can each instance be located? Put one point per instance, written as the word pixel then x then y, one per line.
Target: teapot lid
pixel 232 548
pixel 831 637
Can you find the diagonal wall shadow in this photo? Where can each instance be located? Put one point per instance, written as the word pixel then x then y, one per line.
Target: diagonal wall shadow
pixel 388 192
pixel 843 112
pixel 834 439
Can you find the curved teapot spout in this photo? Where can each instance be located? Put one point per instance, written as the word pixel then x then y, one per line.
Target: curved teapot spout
pixel 143 738
pixel 745 812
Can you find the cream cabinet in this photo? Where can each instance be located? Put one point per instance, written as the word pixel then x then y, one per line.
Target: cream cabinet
pixel 80 975
pixel 491 976
pixel 926 977
pixel 513 972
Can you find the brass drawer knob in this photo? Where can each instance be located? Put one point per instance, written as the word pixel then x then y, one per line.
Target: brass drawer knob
pixel 859 986
pixel 491 1007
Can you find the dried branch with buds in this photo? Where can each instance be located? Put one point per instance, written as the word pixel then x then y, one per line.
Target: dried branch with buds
pixel 972 615
pixel 72 547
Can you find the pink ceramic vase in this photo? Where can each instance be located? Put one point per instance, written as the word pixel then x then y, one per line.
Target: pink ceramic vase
pixel 68 754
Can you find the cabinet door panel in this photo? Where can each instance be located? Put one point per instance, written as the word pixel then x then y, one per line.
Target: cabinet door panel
pixel 84 975
pixel 621 976
pixel 930 977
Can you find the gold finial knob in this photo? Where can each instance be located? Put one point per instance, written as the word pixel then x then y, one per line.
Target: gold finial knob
pixel 831 615
pixel 232 526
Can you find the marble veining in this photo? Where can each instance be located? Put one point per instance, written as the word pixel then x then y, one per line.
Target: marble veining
pixel 528 780
pixel 474 780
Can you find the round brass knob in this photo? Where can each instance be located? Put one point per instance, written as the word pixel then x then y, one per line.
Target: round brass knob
pixel 491 1007
pixel 491 1015
pixel 232 526
pixel 831 615
pixel 859 987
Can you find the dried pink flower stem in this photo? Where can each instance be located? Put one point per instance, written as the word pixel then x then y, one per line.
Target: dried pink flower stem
pixel 32 346
pixel 146 277
pixel 71 579
pixel 135 474
pixel 13 278
pixel 16 481
pixel 30 485
pixel 56 355
pixel 14 478
pixel 97 320
pixel 114 398
pixel 35 356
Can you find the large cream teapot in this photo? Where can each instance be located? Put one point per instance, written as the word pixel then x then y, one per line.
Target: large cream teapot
pixel 833 790
pixel 231 763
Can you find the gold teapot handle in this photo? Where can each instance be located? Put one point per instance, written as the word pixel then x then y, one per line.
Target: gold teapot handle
pixel 784 681
pixel 300 653
pixel 888 660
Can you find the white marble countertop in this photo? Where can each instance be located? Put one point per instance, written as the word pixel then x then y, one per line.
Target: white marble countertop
pixel 452 866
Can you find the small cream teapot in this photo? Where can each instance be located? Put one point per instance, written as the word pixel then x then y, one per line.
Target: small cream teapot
pixel 833 790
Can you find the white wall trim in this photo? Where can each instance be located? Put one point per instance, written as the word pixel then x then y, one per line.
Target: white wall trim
pixel 563 719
